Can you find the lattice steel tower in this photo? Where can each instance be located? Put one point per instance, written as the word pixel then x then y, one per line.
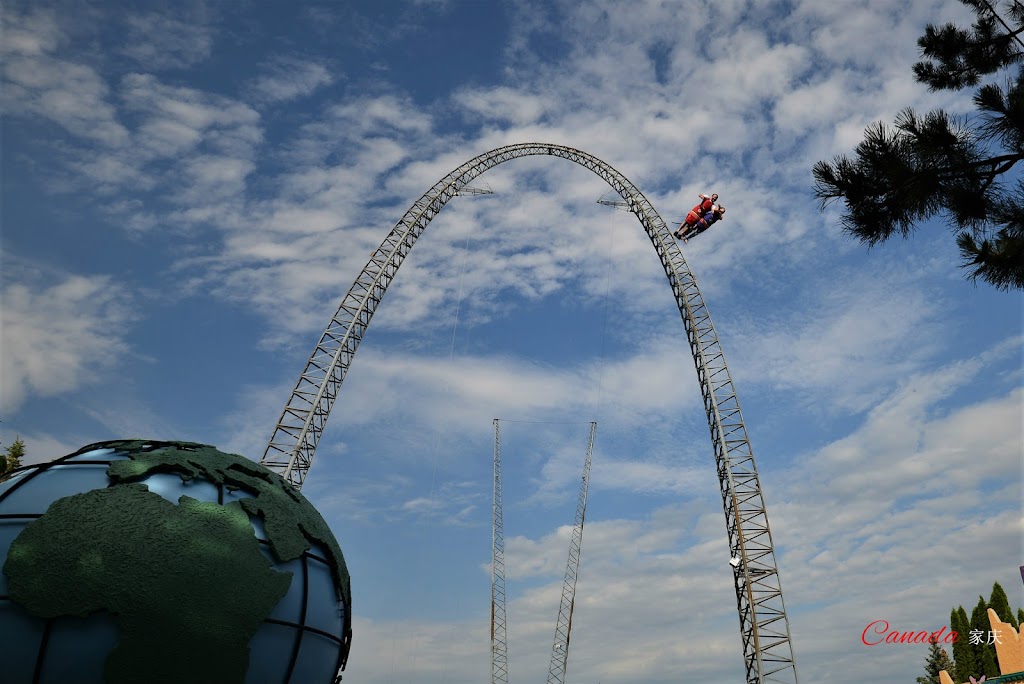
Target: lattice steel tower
pixel 499 623
pixel 563 626
pixel 764 626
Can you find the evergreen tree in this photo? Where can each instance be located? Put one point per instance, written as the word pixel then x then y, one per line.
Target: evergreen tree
pixel 13 454
pixel 979 659
pixel 1001 604
pixel 937 661
pixel 938 164
pixel 984 652
pixel 963 653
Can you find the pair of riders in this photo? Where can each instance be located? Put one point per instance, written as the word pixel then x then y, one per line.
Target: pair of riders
pixel 701 217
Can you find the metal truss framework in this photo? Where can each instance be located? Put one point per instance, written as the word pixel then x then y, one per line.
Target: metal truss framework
pixel 563 626
pixel 764 626
pixel 499 635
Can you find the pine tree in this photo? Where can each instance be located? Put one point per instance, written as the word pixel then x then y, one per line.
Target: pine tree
pixel 1001 604
pixel 13 454
pixel 963 653
pixel 984 652
pixel 979 659
pixel 937 661
pixel 938 164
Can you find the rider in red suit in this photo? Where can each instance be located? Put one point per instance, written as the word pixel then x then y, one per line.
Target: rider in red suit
pixel 698 213
pixel 706 203
pixel 696 225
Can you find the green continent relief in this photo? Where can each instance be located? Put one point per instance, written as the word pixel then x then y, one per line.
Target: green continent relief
pixel 187 583
pixel 290 520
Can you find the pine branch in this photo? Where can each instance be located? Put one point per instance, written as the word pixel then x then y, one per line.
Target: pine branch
pixel 936 164
pixel 1010 32
pixel 986 178
pixel 958 58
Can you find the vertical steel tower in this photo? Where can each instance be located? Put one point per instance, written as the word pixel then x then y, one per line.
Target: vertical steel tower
pixel 563 626
pixel 499 632
pixel 764 626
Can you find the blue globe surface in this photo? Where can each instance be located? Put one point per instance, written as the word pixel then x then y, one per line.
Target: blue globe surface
pixel 145 561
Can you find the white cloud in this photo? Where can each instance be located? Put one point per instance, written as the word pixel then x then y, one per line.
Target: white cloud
pixel 908 444
pixel 920 502
pixel 30 34
pixel 124 138
pixel 803 106
pixel 857 33
pixel 450 392
pixel 502 104
pixel 36 83
pixel 197 147
pixel 418 650
pixel 378 115
pixel 178 117
pixel 754 71
pixel 157 41
pixel 58 338
pixel 288 78
pixel 453 503
pixel 830 351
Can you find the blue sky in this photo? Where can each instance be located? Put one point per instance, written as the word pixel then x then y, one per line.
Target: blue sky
pixel 188 192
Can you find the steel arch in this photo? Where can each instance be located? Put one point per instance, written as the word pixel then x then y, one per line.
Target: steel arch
pixel 764 626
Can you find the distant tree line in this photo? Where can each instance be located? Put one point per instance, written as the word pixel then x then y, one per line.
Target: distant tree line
pixel 973 655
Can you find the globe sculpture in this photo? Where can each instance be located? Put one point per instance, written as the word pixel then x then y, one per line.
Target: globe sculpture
pixel 136 562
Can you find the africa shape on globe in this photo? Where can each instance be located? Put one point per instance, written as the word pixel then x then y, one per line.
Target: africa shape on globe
pixel 144 562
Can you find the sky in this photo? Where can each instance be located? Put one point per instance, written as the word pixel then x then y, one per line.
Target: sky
pixel 189 189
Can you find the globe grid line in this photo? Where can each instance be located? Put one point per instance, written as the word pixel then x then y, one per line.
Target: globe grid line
pixel 26 474
pixel 764 625
pixel 302 619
